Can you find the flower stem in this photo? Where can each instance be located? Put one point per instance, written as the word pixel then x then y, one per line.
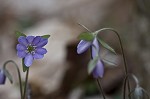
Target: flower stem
pixel 100 87
pixel 26 82
pixel 122 51
pixel 19 75
pixel 28 91
pixel 124 86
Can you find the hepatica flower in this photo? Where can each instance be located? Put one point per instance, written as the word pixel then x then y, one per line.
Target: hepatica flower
pixel 30 48
pixel 83 45
pixel 2 77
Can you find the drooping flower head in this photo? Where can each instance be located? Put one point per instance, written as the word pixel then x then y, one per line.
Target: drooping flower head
pixel 92 40
pixel 30 48
pixel 83 46
pixel 2 77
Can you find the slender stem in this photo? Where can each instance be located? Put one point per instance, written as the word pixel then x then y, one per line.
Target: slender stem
pixel 84 27
pixel 19 75
pixel 124 87
pixel 122 51
pixel 100 87
pixel 26 82
pixel 28 91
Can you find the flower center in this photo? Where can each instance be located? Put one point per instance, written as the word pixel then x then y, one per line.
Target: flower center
pixel 31 49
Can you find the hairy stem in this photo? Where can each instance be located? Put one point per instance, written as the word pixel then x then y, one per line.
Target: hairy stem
pixel 100 87
pixel 26 82
pixel 124 87
pixel 19 75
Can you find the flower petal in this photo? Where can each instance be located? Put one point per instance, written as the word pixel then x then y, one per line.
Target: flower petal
pixel 2 77
pixel 22 40
pixel 30 39
pixel 20 47
pixel 83 46
pixel 38 56
pixel 28 60
pixel 98 70
pixel 95 47
pixel 42 42
pixel 36 40
pixel 21 54
pixel 41 51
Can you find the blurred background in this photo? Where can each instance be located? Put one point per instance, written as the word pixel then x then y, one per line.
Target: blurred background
pixel 62 74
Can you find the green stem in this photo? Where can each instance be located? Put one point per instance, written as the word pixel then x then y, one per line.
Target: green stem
pixel 26 82
pixel 100 87
pixel 19 75
pixel 124 87
pixel 122 51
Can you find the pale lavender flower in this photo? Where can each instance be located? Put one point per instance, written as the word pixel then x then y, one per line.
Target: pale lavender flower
pixel 83 45
pixel 30 48
pixel 2 77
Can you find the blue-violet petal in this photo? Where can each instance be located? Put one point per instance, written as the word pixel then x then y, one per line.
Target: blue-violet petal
pixel 38 56
pixel 28 60
pixel 42 42
pixel 30 39
pixel 23 40
pixel 21 54
pixel 41 51
pixel 36 40
pixel 21 47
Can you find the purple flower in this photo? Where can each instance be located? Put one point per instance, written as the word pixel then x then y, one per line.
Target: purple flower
pixel 30 48
pixel 83 45
pixel 2 77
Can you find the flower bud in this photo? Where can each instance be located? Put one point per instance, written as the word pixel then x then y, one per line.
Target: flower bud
pixel 83 46
pixel 2 77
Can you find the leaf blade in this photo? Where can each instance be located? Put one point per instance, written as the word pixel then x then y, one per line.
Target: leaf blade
pixel 109 62
pixel 45 36
pixel 18 34
pixel 105 45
